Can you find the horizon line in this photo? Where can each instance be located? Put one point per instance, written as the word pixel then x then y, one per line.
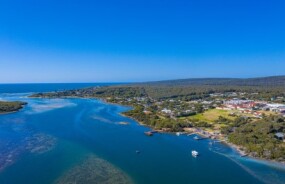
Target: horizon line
pixel 143 81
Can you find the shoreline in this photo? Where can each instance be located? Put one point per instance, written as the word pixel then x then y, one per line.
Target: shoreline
pixel 11 112
pixel 15 110
pixel 237 148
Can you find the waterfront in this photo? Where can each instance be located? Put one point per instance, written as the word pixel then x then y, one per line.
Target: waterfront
pixel 51 140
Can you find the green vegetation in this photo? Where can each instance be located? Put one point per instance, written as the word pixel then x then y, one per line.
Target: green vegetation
pixel 258 137
pixel 190 104
pixel 189 89
pixel 274 81
pixel 211 115
pixel 155 121
pixel 6 107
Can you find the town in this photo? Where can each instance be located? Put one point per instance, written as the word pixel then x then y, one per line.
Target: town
pixel 171 108
pixel 251 120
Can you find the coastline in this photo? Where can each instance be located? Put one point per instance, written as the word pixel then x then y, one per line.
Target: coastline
pixel 15 109
pixel 11 112
pixel 237 148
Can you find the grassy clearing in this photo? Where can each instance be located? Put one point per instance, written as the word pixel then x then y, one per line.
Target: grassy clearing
pixel 212 115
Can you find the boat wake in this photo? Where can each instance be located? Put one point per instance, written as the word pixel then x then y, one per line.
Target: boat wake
pixel 261 170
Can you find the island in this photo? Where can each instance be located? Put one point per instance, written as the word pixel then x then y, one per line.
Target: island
pixel 248 114
pixel 9 107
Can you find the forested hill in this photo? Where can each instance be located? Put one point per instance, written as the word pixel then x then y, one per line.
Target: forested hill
pixel 275 81
pixel 185 89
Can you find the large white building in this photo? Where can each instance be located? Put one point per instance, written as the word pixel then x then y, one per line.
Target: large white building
pixel 276 107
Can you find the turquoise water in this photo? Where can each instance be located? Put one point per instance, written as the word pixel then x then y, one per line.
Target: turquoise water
pixel 71 129
pixel 46 87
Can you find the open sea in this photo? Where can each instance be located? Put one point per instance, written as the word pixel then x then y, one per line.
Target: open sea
pixel 83 141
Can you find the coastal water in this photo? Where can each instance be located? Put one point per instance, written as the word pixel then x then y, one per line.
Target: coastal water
pixel 46 87
pixel 83 140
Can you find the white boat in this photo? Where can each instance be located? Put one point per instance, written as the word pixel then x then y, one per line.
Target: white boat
pixel 196 138
pixel 178 133
pixel 195 153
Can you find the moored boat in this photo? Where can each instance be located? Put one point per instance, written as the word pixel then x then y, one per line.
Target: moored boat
pixel 195 153
pixel 196 138
pixel 148 133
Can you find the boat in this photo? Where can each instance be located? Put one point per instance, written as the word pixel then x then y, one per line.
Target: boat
pixel 148 133
pixel 196 138
pixel 178 133
pixel 195 153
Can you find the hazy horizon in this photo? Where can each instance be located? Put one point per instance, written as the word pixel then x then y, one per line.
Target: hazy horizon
pixel 126 82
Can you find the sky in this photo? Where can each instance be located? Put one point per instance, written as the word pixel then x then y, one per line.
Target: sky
pixel 142 40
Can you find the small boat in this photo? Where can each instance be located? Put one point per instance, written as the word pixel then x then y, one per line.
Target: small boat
pixel 244 155
pixel 196 138
pixel 148 133
pixel 178 133
pixel 195 153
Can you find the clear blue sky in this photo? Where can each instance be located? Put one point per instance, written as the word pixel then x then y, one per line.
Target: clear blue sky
pixel 140 40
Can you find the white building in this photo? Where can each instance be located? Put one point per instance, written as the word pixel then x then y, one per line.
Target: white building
pixel 276 107
pixel 166 111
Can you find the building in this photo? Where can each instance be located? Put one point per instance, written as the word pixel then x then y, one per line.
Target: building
pixel 239 104
pixel 166 111
pixel 276 107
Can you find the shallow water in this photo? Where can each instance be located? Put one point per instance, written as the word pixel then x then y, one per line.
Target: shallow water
pixel 73 130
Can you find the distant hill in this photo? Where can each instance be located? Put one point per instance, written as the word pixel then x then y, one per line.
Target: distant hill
pixel 186 89
pixel 274 81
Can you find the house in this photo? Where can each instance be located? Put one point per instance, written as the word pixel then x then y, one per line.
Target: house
pixel 279 136
pixel 216 94
pixel 166 111
pixel 239 104
pixel 258 114
pixel 147 112
pixel 223 108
